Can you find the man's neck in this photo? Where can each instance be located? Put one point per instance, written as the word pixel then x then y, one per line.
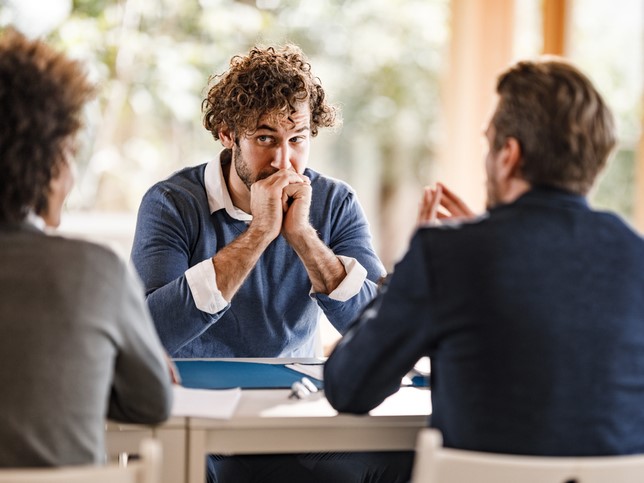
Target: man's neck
pixel 516 188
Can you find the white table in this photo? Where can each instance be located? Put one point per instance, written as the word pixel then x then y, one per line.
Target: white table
pixel 267 421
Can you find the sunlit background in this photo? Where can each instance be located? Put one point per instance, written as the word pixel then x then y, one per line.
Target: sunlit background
pixel 412 78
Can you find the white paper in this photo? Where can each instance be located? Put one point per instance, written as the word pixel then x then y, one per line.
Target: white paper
pixel 205 403
pixel 315 371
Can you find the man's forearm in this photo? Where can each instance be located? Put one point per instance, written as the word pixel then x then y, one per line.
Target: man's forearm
pixel 324 268
pixel 234 262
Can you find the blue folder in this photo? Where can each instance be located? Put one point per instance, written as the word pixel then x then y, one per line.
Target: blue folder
pixel 199 374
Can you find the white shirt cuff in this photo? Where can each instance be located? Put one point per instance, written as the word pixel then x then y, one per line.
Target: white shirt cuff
pixel 202 281
pixel 352 283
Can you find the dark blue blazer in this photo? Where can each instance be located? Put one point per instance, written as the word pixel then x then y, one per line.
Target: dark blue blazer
pixel 533 317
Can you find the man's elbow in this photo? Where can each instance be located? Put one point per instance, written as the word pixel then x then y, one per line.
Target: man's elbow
pixel 344 398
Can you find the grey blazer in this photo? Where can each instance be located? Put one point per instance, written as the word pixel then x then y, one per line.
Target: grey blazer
pixel 77 345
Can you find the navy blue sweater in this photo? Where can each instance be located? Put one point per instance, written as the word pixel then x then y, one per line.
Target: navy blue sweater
pixel 272 314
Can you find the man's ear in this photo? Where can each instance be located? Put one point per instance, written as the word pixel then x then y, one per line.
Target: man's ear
pixel 510 157
pixel 227 137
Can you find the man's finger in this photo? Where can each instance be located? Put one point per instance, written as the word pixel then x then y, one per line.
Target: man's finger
pixel 435 203
pixel 454 204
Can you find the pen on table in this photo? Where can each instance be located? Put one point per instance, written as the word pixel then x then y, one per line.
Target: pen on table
pixel 302 388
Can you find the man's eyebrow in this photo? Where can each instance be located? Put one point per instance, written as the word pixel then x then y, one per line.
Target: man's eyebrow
pixel 266 127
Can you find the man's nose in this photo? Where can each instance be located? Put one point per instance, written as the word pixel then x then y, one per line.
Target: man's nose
pixel 282 158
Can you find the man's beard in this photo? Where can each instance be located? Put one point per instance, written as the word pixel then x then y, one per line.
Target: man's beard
pixel 491 186
pixel 493 196
pixel 244 172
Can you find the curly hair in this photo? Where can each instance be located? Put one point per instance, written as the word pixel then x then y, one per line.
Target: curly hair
pixel 264 82
pixel 42 93
pixel 563 125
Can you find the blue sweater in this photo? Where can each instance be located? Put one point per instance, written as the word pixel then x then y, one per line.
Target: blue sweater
pixel 272 314
pixel 534 322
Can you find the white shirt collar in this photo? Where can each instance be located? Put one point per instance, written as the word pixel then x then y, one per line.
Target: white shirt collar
pixel 35 220
pixel 217 191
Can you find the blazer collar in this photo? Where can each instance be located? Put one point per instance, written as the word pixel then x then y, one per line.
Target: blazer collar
pixel 552 195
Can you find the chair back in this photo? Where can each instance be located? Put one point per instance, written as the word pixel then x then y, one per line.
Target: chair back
pixel 146 469
pixel 437 464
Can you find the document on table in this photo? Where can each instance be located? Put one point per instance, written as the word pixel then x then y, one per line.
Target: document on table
pixel 205 403
pixel 315 371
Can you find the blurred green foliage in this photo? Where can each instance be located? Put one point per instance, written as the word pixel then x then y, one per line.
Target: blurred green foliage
pixel 607 42
pixel 615 190
pixel 379 60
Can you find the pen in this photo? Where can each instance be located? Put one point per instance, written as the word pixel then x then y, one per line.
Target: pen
pixel 302 388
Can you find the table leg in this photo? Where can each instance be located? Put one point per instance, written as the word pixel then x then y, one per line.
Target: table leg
pixel 175 447
pixel 196 456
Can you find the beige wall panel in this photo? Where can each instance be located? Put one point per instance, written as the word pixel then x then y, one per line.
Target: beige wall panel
pixel 638 215
pixel 481 46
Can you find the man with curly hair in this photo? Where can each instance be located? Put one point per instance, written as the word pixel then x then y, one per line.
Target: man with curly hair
pixel 76 339
pixel 240 256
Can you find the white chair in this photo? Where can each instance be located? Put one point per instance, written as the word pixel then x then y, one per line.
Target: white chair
pixel 436 464
pixel 146 469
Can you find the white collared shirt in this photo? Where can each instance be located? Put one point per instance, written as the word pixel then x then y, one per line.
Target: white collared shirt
pixel 201 277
